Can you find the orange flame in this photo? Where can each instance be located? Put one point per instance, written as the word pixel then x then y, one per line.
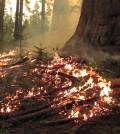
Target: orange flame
pixel 89 85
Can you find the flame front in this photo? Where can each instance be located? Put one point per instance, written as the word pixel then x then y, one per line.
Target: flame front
pixel 66 79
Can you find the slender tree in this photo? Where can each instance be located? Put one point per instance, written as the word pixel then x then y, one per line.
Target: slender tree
pixel 18 20
pixel 60 13
pixel 35 20
pixel 2 9
pixel 43 9
pixel 16 31
pixel 21 18
pixel 43 16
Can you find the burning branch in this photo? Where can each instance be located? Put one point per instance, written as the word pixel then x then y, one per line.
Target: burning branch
pixel 71 78
pixel 21 61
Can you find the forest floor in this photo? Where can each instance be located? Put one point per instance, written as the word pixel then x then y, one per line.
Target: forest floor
pixel 26 111
pixel 103 125
pixel 109 124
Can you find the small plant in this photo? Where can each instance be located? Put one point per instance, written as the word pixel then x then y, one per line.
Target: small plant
pixel 41 54
pixel 94 64
pixel 60 52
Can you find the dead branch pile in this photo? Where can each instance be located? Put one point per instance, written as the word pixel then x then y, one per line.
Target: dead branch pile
pixel 60 86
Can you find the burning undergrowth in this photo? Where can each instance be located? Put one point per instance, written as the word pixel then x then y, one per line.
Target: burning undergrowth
pixel 67 83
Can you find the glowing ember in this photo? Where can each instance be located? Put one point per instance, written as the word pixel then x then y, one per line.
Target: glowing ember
pixel 62 79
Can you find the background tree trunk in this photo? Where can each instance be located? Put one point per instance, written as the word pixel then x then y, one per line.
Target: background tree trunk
pixel 2 8
pixel 43 16
pixel 60 13
pixel 99 25
pixel 16 31
pixel 43 9
pixel 18 20
pixel 21 18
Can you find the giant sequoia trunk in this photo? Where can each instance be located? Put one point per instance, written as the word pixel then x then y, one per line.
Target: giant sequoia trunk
pixel 99 25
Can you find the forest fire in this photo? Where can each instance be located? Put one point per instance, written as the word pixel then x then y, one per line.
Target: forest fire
pixel 42 93
pixel 65 82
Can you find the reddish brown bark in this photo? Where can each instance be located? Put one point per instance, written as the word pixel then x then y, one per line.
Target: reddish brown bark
pixel 99 25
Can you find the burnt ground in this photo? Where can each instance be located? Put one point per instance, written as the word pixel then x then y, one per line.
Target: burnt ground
pixel 106 124
pixel 102 125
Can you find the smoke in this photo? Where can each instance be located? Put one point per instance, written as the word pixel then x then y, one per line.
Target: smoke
pixel 60 27
pixel 101 58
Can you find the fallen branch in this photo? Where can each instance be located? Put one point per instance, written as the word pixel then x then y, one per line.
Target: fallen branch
pixel 81 102
pixel 11 115
pixel 43 112
pixel 100 70
pixel 33 116
pixel 72 78
pixel 17 63
pixel 56 90
pixel 61 121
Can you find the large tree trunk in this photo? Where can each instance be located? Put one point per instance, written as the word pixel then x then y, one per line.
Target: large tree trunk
pixel 99 25
pixel 2 7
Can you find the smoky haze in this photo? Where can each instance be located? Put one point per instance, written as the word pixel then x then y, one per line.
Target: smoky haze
pixel 61 25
